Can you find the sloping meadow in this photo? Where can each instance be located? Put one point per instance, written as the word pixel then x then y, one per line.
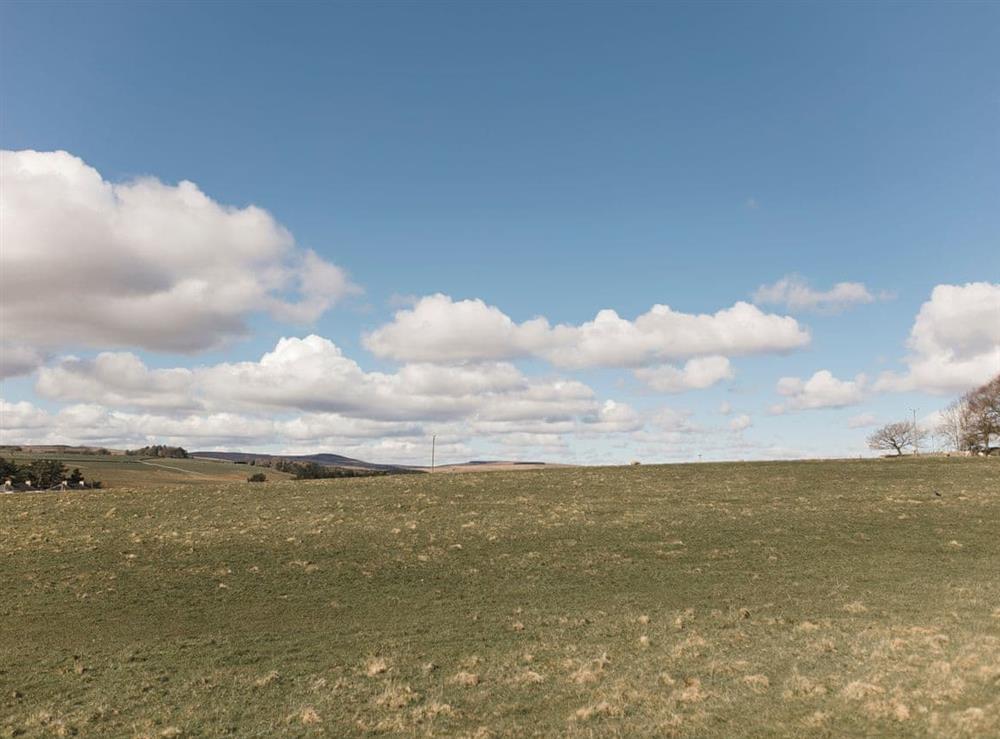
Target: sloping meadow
pixel 800 598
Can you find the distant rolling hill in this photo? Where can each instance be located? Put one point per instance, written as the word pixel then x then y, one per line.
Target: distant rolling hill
pixel 327 460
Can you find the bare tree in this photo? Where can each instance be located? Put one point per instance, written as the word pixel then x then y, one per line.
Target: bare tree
pixel 953 427
pixel 971 422
pixel 983 415
pixel 896 437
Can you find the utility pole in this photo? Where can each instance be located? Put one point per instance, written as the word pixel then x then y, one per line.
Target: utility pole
pixel 916 433
pixel 433 449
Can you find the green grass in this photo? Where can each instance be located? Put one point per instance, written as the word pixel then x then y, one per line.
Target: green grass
pixel 121 471
pixel 805 599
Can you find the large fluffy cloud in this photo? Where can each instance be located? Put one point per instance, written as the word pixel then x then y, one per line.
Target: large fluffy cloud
pixel 87 262
pixel 614 417
pixel 822 390
pixel 696 374
pixel 439 329
pixel 312 375
pixel 21 416
pixel 955 341
pixel 795 294
pixel 117 379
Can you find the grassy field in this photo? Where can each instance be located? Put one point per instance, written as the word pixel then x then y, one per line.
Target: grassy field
pixel 714 600
pixel 115 471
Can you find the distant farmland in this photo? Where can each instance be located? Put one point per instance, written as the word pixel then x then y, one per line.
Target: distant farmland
pixel 118 470
pixel 712 600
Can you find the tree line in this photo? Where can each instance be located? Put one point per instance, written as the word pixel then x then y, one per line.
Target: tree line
pixel 308 470
pixel 315 471
pixel 41 474
pixel 159 450
pixel 971 424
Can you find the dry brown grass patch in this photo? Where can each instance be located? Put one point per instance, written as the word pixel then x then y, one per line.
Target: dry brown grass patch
pixel 757 683
pixel 800 686
pixel 691 692
pixel 396 697
pixel 466 679
pixel 859 690
pixel 601 709
pixel 816 719
pixel 431 710
pixel 528 677
pixel 268 679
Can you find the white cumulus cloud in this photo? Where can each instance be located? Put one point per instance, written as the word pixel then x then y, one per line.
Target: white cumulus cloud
pixel 954 343
pixel 696 374
pixel 439 329
pixel 117 379
pixel 142 263
pixel 312 375
pixel 614 417
pixel 822 390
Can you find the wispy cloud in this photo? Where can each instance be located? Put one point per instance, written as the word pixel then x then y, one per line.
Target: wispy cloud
pixel 795 294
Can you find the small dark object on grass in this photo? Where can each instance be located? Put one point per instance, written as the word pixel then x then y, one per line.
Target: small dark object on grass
pixel 257 477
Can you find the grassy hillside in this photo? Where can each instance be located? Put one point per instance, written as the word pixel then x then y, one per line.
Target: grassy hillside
pixel 327 460
pixel 115 471
pixel 806 599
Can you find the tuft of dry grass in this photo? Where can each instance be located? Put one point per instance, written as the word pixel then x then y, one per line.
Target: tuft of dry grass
pixel 309 716
pixel 465 679
pixel 801 686
pixel 430 710
pixel 858 690
pixel 375 666
pixel 602 709
pixel 396 697
pixel 528 677
pixel 757 683
pixel 590 672
pixel 691 692
pixel 268 679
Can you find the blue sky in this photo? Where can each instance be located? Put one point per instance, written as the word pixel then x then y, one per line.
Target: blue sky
pixel 549 160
